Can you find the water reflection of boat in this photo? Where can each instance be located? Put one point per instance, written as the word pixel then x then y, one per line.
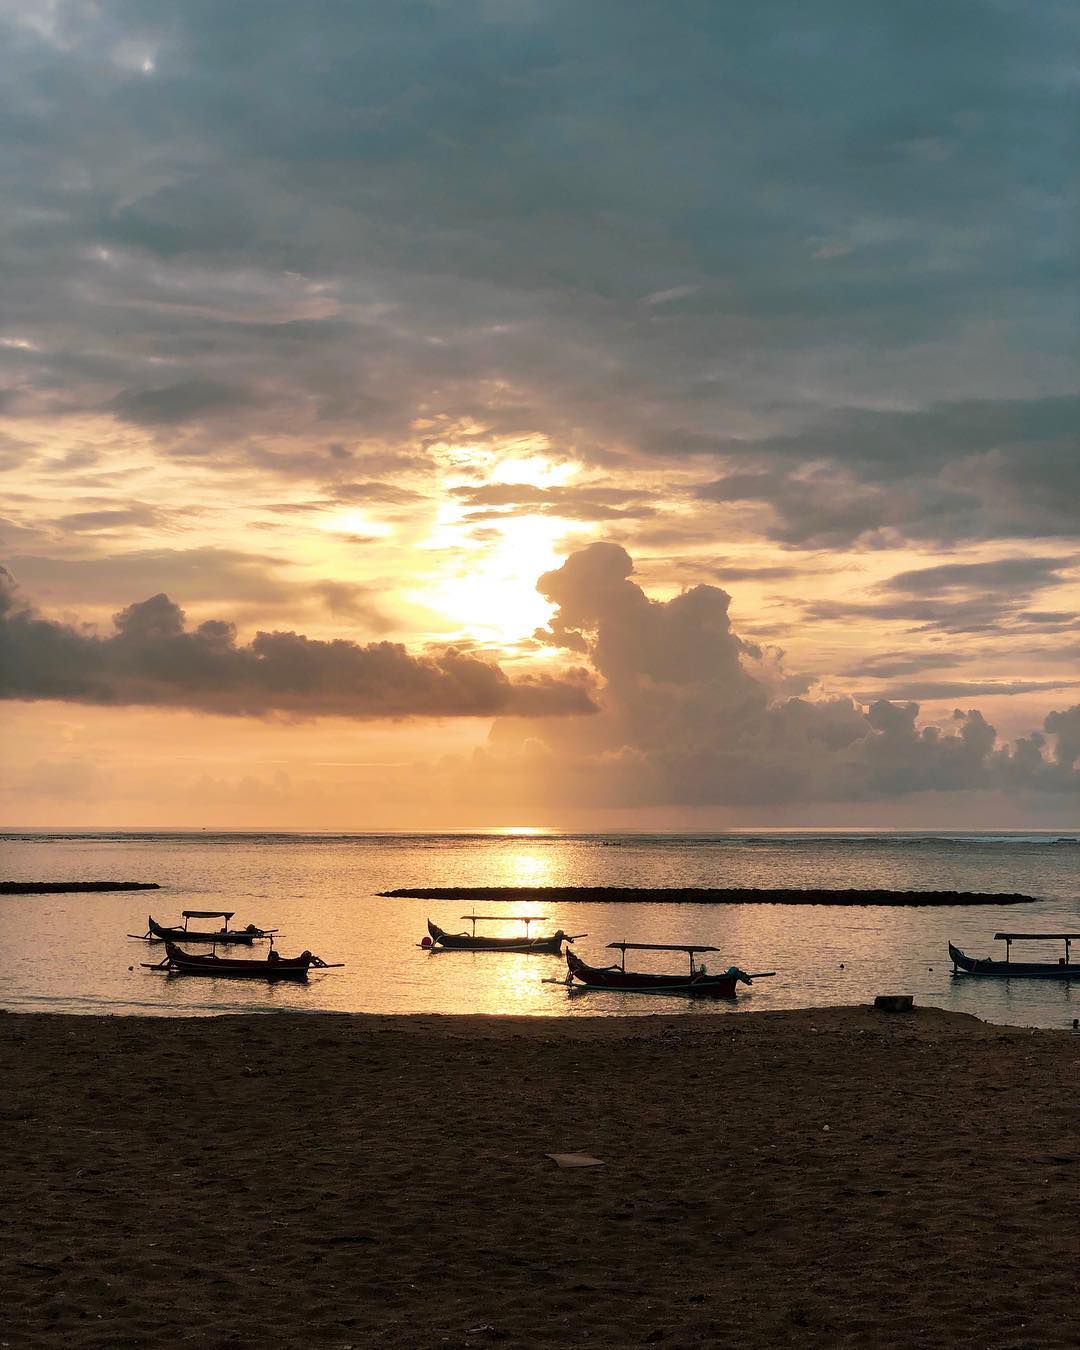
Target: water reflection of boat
pixel 272 967
pixel 1062 969
pixel 549 945
pixel 696 983
pixel 159 932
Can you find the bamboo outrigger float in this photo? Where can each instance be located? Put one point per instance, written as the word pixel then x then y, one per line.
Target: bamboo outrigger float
pixel 548 945
pixel 1062 969
pixel 696 983
pixel 159 932
pixel 273 968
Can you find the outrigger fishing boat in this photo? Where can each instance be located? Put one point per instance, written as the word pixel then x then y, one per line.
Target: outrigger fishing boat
pixel 274 967
pixel 696 983
pixel 550 945
pixel 159 932
pixel 1062 969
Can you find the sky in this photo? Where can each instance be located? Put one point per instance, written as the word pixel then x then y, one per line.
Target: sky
pixel 475 414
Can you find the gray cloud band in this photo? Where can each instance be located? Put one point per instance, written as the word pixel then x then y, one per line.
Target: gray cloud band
pixel 808 260
pixel 153 658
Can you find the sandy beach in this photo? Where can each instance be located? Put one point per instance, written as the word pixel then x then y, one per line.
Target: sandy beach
pixel 835 1177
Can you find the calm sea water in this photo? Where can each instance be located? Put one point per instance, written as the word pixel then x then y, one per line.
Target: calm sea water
pixel 69 953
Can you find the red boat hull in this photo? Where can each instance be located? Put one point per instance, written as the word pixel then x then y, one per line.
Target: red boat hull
pixel 283 968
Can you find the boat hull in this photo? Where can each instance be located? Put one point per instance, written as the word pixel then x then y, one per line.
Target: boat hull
pixel 614 978
pixel 465 942
pixel 1039 970
pixel 222 967
pixel 233 937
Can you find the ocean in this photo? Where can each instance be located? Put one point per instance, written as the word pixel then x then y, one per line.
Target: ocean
pixel 69 953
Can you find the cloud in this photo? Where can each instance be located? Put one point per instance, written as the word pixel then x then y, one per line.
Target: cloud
pixel 385 494
pixel 1004 468
pixel 981 597
pixel 346 600
pixel 685 711
pixel 200 574
pixel 979 615
pixel 887 665
pixel 571 503
pixel 766 572
pixel 693 714
pixel 954 690
pixel 298 233
pixel 1066 727
pixel 828 274
pixel 154 658
pixel 184 401
pixel 830 506
pixel 1020 576
pixel 109 518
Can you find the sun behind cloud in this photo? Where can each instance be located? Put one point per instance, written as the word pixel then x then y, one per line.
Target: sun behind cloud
pixel 485 564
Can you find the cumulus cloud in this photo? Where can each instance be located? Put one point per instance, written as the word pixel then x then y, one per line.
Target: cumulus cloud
pixel 153 658
pixel 691 713
pixel 1066 727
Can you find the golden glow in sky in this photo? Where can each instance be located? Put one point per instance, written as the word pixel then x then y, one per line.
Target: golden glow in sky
pixel 491 595
pixel 355 522
pixel 481 574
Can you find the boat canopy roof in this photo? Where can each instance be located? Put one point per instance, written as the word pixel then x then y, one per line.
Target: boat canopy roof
pixel 1036 937
pixel 207 913
pixel 518 918
pixel 660 947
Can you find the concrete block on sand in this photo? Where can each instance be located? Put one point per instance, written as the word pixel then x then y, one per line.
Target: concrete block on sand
pixel 894 1002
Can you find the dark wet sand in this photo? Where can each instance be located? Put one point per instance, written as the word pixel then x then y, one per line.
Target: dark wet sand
pixel 705 895
pixel 369 1181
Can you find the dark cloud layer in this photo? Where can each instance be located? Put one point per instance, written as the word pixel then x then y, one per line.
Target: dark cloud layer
pixel 1016 576
pixel 185 401
pixel 828 247
pixel 984 597
pixel 997 468
pixel 154 658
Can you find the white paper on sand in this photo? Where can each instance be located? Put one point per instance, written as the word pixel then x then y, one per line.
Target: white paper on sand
pixel 575 1160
